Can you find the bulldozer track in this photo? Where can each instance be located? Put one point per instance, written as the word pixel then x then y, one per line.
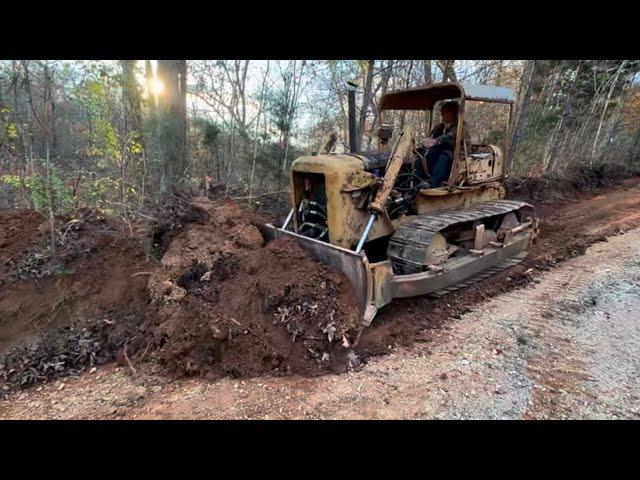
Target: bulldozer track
pixel 410 240
pixel 508 263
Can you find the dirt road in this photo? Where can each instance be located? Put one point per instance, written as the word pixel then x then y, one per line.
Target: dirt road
pixel 562 345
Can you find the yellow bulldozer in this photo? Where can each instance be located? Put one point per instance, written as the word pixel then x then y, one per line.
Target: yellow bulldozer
pixel 368 215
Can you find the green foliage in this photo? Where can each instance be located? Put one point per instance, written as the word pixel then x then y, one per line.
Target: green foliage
pixel 12 131
pixel 35 187
pixel 134 146
pixel 102 191
pixel 11 180
pixel 210 134
pixel 209 130
pixel 9 127
pixel 278 108
pixel 102 135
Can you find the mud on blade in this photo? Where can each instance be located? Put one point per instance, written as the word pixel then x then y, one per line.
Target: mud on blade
pixel 354 266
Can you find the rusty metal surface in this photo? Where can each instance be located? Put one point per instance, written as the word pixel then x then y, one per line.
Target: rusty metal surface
pixel 420 98
pixel 398 154
pixel 483 165
pixel 342 174
pixel 424 98
pixel 482 275
pixel 437 199
pixel 375 159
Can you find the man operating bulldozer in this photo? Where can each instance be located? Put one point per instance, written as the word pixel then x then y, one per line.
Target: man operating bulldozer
pixel 439 147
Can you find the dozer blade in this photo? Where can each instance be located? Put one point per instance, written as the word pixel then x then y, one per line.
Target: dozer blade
pixel 354 266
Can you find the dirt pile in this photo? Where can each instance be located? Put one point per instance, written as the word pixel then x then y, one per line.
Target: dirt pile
pixel 219 303
pixel 222 304
pixel 169 216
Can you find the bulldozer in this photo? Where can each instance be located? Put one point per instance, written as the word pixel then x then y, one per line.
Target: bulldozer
pixel 367 214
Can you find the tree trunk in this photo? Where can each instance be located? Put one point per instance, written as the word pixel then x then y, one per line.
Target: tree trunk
pixel 382 87
pixel 550 158
pixel 522 106
pixel 604 110
pixel 255 145
pixel 406 85
pixel 132 94
pixel 172 124
pixel 366 100
pixel 428 75
pixel 48 123
pixel 448 72
pixel 292 107
pixel 340 94
pixel 635 146
pixel 428 80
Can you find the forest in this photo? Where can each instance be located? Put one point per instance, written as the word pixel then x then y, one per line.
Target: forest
pixel 114 134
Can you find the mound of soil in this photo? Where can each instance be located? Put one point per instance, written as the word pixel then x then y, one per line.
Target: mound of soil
pixel 222 304
pixel 171 214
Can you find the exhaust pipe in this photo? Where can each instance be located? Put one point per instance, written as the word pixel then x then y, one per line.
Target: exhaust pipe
pixel 351 100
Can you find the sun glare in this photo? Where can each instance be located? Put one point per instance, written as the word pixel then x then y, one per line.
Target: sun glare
pixel 156 86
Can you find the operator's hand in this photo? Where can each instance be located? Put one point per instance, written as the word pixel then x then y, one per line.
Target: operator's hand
pixel 429 142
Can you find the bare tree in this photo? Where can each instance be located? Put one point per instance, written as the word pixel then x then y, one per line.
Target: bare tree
pixel 46 123
pixel 549 158
pixel 255 144
pixel 428 75
pixel 448 72
pixel 172 108
pixel 366 100
pixel 380 90
pixel 522 107
pixel 292 98
pixel 604 110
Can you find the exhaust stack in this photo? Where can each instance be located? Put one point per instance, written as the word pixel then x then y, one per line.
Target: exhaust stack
pixel 351 100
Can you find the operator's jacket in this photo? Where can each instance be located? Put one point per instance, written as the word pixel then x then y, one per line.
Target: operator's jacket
pixel 446 137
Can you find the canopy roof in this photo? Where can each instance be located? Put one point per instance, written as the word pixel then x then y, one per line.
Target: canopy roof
pixel 423 98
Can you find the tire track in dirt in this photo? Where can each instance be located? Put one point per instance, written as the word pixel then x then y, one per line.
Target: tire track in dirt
pixel 560 332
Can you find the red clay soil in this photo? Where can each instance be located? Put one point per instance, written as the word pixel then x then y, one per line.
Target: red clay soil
pixel 222 304
pixel 91 276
